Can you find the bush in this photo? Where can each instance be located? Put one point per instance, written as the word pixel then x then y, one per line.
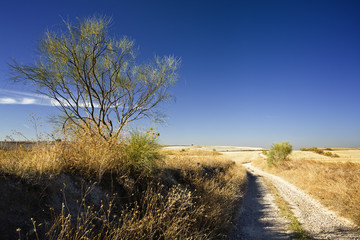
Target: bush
pixel 142 152
pixel 322 152
pixel 319 151
pixel 278 153
pixel 328 154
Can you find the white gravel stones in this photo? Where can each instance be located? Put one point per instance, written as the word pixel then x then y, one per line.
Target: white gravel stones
pixel 315 218
pixel 259 217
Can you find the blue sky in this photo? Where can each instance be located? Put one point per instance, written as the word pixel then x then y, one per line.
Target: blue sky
pixel 253 72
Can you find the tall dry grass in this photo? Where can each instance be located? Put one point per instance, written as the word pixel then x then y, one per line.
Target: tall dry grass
pixel 184 196
pixel 215 180
pixel 171 215
pixel 195 198
pixel 40 160
pixel 86 154
pixel 335 184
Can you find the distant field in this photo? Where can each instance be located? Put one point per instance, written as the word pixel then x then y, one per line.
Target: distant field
pixel 243 156
pixel 237 154
pixel 347 154
pixel 210 148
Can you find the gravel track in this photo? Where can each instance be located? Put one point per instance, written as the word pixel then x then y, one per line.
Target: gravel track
pixel 259 217
pixel 315 218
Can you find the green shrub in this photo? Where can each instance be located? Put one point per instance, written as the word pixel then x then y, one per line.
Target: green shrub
pixel 142 152
pixel 264 152
pixel 322 152
pixel 319 151
pixel 278 153
pixel 313 149
pixel 328 154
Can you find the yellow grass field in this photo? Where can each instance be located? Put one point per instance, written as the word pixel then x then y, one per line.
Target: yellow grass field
pixel 243 156
pixel 349 154
pixel 335 182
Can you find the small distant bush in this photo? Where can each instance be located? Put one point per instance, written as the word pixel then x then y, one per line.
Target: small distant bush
pixel 319 151
pixel 264 152
pixel 328 154
pixel 322 152
pixel 313 149
pixel 278 153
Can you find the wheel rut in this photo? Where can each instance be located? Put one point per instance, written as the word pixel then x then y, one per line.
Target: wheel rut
pixel 259 217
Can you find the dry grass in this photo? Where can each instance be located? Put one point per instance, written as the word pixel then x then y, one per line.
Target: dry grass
pixel 192 159
pixel 191 195
pixel 170 215
pixel 335 184
pixel 202 211
pixel 345 155
pixel 190 152
pixel 243 156
pixel 88 155
pixel 348 155
pixel 42 159
pixel 218 183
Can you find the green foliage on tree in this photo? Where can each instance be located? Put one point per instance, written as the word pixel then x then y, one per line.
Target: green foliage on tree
pixel 94 79
pixel 278 153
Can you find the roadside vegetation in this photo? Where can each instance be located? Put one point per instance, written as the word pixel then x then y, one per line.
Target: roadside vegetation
pixel 111 189
pixel 335 184
pixel 278 153
pixel 322 152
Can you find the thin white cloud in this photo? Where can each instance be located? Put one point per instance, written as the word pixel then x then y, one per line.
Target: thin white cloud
pixel 22 94
pixel 54 103
pixel 23 98
pixel 28 101
pixel 7 100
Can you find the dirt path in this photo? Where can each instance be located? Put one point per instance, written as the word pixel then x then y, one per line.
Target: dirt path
pixel 316 219
pixel 259 217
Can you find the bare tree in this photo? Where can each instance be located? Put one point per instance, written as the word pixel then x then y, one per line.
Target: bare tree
pixel 94 80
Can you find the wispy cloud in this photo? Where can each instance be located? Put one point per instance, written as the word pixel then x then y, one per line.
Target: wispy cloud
pixel 23 98
pixel 6 100
pixel 28 101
